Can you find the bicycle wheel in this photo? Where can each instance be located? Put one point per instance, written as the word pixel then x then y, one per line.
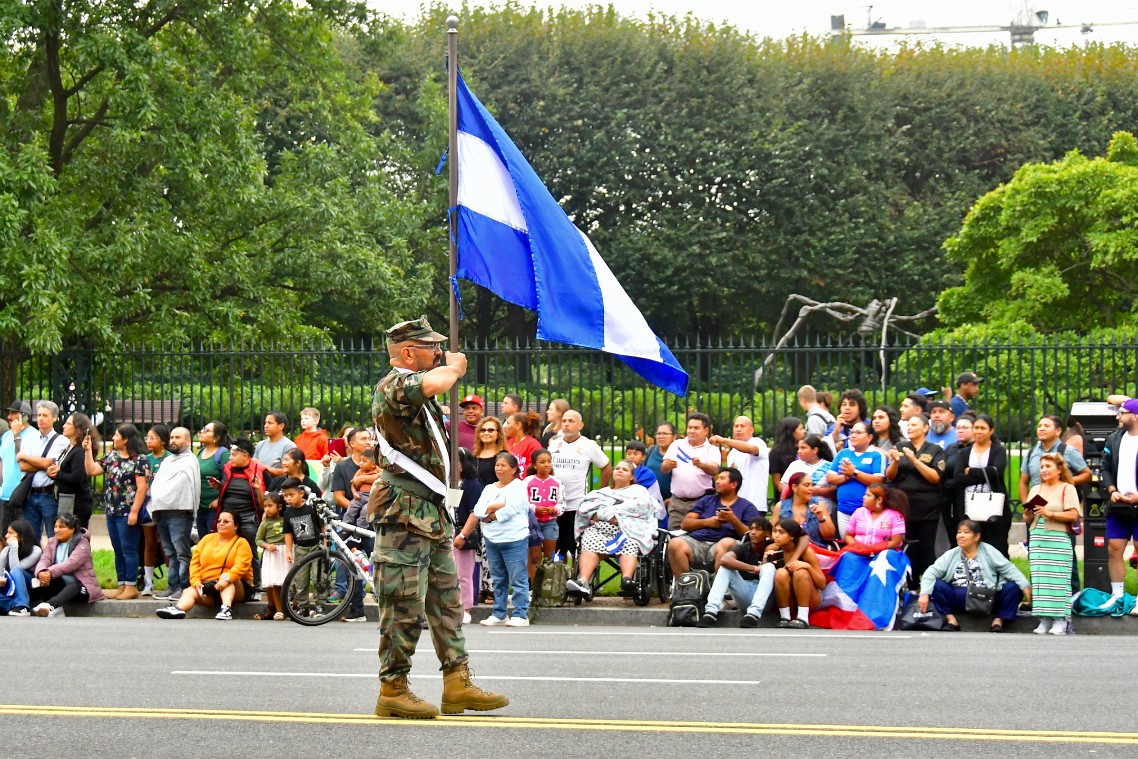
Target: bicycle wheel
pixel 309 585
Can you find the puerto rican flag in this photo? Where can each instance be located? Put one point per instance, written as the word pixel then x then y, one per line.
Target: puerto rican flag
pixel 862 591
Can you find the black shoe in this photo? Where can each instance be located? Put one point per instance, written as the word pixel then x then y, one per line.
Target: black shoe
pixel 749 620
pixel 629 586
pixel 796 624
pixel 708 620
pixel 784 623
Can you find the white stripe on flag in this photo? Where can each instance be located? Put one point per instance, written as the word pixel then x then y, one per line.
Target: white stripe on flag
pixel 484 183
pixel 626 331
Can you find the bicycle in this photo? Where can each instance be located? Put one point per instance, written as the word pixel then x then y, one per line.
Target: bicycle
pixel 308 586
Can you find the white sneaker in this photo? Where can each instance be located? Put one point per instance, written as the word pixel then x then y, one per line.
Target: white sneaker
pixel 56 611
pixel 224 615
pixel 1059 627
pixel 1042 628
pixel 171 612
pixel 492 621
pixel 517 622
pixel 147 591
pixel 42 610
pixel 466 617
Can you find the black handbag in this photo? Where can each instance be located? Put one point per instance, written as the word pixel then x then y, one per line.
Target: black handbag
pixel 979 600
pixel 912 618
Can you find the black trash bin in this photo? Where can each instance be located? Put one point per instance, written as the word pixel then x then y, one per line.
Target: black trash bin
pixel 1098 420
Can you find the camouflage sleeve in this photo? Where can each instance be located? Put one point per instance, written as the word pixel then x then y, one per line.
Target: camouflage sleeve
pixel 402 396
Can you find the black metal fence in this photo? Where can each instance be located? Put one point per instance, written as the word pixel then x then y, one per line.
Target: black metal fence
pixel 239 383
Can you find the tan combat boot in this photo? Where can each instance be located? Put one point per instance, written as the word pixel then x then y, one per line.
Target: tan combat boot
pixel 127 593
pixel 397 700
pixel 459 693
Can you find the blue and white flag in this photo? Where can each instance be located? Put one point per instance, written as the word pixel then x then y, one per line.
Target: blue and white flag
pixel 514 240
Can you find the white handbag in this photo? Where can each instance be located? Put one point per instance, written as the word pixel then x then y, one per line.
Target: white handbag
pixel 981 506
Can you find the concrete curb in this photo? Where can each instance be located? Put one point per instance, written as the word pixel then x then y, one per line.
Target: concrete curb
pixel 601 613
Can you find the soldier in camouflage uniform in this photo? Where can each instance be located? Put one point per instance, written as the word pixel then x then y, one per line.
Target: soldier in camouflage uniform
pixel 415 574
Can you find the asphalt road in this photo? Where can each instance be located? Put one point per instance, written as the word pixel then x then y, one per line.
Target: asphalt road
pixel 138 687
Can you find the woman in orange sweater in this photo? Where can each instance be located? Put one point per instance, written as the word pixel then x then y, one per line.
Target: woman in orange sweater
pixel 220 567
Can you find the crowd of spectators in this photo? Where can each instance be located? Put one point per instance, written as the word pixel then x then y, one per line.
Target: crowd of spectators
pixel 228 520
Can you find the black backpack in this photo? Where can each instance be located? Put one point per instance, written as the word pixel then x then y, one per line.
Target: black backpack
pixel 689 597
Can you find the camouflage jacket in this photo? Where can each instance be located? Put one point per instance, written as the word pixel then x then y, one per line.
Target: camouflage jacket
pixel 398 409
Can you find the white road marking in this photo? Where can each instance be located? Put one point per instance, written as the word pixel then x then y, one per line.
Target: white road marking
pixel 372 675
pixel 623 653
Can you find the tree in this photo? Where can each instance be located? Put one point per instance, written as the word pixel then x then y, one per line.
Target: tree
pixel 182 168
pixel 1055 248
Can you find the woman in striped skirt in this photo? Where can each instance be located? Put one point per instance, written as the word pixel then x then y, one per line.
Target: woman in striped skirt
pixel 1051 507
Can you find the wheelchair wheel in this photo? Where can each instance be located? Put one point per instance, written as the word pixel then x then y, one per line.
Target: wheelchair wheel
pixel 663 577
pixel 644 582
pixel 309 585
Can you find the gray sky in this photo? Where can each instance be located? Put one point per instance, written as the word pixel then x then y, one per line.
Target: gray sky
pixel 780 19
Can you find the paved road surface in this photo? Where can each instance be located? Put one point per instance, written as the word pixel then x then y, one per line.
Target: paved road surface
pixel 137 687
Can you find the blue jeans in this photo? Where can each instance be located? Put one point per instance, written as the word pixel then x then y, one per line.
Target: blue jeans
pixel 174 532
pixel 207 519
pixel 950 599
pixel 125 540
pixel 508 568
pixel 356 607
pixel 19 597
pixel 41 510
pixel 754 593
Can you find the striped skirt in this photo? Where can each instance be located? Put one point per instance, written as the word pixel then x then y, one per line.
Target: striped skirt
pixel 1050 557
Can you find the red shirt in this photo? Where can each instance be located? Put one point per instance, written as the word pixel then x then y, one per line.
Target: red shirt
pixel 523 450
pixel 313 443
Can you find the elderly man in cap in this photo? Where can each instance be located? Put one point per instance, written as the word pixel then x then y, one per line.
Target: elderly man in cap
pixel 415 575
pixel 20 431
pixel 967 388
pixel 472 410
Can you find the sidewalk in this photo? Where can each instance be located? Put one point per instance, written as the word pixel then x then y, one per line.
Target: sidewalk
pixel 615 612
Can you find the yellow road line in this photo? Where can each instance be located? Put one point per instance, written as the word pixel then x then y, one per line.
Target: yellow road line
pixel 552 723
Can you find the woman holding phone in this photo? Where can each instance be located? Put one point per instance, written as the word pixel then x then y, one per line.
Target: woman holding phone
pixel 212 458
pixel 73 486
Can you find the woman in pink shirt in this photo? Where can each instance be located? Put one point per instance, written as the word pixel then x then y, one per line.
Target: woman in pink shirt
pixel 880 522
pixel 546 498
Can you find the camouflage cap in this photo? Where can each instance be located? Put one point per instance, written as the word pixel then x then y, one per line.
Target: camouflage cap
pixel 415 329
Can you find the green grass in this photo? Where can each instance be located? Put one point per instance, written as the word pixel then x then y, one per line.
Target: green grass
pixel 1131 575
pixel 104 562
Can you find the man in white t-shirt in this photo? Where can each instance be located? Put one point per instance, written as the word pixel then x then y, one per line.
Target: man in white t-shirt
pixel 573 456
pixel 693 463
pixel 751 456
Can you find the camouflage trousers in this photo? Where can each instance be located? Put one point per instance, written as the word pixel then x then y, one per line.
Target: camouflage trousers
pixel 416 579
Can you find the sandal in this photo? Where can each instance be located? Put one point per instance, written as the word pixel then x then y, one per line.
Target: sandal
pixel 951 627
pixel 997 627
pixel 266 614
pixel 279 616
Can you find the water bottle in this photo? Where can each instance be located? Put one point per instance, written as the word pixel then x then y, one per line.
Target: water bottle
pixel 361 560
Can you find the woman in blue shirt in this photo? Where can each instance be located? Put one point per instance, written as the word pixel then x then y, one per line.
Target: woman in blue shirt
pixel 854 469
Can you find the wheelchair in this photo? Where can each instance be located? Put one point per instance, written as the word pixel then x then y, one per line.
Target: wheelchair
pixel 652 574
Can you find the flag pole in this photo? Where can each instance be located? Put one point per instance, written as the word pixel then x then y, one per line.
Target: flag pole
pixel 452 236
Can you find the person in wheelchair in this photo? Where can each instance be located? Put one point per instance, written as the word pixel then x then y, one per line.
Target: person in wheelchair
pixel 749 575
pixel 620 520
